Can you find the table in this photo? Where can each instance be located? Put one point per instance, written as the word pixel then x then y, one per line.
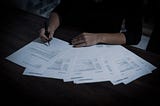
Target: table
pixel 20 28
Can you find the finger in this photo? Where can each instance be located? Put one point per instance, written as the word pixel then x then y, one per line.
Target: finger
pixel 80 45
pixel 51 35
pixel 78 40
pixel 80 36
pixel 75 42
pixel 43 39
pixel 42 34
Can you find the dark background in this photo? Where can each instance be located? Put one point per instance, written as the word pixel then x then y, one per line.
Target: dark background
pixel 18 89
pixel 43 8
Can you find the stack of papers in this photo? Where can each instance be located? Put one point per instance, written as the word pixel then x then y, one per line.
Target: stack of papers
pixel 96 63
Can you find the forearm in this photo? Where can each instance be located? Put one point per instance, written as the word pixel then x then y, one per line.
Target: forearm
pixel 88 39
pixel 111 38
pixel 54 22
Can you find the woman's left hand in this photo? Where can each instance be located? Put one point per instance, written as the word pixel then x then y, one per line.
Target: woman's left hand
pixel 85 39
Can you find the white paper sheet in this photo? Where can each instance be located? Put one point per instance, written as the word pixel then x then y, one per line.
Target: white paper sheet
pixel 36 54
pixel 97 63
pixel 119 66
pixel 58 67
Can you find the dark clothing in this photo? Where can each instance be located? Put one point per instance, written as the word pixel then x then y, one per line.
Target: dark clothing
pixel 103 17
pixel 154 41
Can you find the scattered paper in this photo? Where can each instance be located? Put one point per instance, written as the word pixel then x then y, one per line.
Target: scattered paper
pixel 92 64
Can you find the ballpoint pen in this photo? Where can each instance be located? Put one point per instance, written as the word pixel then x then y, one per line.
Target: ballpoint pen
pixel 47 33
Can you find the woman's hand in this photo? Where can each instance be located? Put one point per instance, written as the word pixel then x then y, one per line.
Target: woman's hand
pixel 43 37
pixel 85 39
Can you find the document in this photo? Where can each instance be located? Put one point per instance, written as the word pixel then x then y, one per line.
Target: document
pixel 127 66
pixel 117 65
pixel 36 54
pixel 57 68
pixel 88 67
pixel 98 63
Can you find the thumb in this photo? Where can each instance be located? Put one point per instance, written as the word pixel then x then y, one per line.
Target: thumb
pixel 51 35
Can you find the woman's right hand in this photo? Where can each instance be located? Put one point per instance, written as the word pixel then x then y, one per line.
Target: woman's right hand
pixel 43 37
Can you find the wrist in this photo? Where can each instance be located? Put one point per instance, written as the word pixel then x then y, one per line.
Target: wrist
pixel 100 38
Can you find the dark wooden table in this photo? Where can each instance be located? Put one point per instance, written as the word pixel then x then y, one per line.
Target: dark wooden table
pixel 20 28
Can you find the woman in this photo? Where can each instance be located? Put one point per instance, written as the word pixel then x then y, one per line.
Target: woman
pixel 99 20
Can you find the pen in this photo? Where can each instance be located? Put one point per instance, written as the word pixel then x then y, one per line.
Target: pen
pixel 47 33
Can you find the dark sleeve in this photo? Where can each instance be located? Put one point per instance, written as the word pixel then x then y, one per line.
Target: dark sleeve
pixel 63 8
pixel 133 23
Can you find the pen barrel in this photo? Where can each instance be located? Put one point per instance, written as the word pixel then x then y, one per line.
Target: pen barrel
pixel 46 29
pixel 46 33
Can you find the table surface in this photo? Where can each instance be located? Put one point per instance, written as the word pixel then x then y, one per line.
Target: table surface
pixel 20 28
